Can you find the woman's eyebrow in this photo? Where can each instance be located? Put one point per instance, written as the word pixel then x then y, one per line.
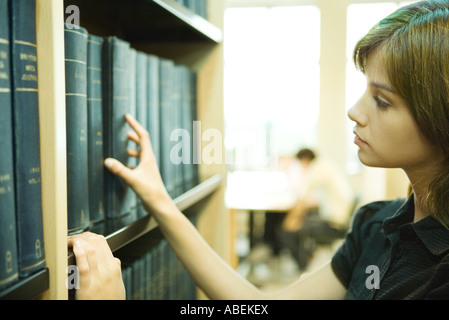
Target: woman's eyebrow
pixel 381 86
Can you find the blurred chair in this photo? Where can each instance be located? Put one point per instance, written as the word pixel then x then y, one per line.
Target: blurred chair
pixel 329 237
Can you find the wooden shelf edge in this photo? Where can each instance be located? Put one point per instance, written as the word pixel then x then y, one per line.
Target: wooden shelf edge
pixel 135 230
pixel 196 22
pixel 199 192
pixel 28 288
pixel 173 18
pixel 126 235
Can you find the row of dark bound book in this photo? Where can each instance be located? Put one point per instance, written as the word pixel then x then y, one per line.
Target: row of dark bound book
pixel 21 229
pixel 156 274
pixel 105 80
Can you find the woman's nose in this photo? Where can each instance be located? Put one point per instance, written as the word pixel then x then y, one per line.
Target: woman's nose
pixel 355 114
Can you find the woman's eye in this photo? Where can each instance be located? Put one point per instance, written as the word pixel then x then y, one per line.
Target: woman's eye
pixel 381 103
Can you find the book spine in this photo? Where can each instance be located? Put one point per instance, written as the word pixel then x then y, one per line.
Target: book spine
pixel 166 81
pixel 116 104
pixel 151 271
pixel 153 121
pixel 196 147
pixel 187 124
pixel 139 279
pixel 27 165
pixel 77 133
pixel 147 277
pixel 9 272
pixel 177 136
pixel 95 128
pixel 142 89
pixel 126 276
pixel 131 197
pixel 141 99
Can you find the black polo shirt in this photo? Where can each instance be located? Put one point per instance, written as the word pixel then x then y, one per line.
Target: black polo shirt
pixel 387 256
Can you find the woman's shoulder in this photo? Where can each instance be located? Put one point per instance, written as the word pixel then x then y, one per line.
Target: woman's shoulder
pixel 376 212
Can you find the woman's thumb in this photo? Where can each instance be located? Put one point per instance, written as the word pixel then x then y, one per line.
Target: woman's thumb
pixel 117 168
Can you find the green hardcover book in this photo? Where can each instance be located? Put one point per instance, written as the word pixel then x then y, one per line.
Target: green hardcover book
pixel 196 149
pixel 179 145
pixel 9 272
pixel 153 105
pixel 167 123
pixel 119 198
pixel 27 165
pixel 132 110
pixel 141 85
pixel 142 89
pixel 77 130
pixel 95 128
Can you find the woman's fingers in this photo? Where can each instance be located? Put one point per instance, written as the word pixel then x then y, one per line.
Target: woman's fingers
pixel 86 262
pixel 135 125
pixel 100 273
pixel 141 137
pixel 118 168
pixel 134 153
pixel 132 135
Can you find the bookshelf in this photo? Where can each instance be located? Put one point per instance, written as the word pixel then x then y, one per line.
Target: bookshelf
pixel 121 232
pixel 28 288
pixel 161 27
pixel 146 20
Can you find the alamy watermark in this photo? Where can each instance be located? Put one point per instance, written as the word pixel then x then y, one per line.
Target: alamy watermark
pixel 73 20
pixel 73 280
pixel 187 149
pixel 373 280
pixel 208 147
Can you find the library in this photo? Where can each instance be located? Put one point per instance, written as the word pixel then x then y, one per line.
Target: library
pixel 208 145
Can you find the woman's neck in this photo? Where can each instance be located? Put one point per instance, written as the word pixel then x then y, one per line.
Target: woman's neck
pixel 419 180
pixel 419 212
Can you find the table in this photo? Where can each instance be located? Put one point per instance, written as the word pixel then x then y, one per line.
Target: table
pixel 259 191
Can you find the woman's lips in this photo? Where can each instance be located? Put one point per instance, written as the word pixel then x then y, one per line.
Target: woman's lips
pixel 359 141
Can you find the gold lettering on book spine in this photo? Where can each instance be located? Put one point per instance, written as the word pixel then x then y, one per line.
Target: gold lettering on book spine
pixel 38 248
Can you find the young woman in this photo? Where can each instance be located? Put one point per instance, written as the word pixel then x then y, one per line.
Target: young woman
pixel 396 249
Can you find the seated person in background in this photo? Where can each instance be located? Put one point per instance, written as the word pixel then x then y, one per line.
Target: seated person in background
pixel 323 208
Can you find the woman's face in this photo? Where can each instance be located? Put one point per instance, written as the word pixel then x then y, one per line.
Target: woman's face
pixel 386 132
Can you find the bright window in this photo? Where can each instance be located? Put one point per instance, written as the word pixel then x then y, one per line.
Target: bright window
pixel 271 82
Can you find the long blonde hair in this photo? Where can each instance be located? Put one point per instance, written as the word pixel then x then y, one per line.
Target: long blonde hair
pixel 415 44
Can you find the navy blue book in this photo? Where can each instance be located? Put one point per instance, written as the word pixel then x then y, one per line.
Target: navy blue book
pixel 153 122
pixel 196 147
pixel 147 276
pixel 119 198
pixel 133 84
pixel 127 280
pixel 27 164
pixel 132 110
pixel 95 128
pixel 167 123
pixel 141 89
pixel 141 98
pixel 178 138
pixel 76 123
pixel 187 124
pixel 9 272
